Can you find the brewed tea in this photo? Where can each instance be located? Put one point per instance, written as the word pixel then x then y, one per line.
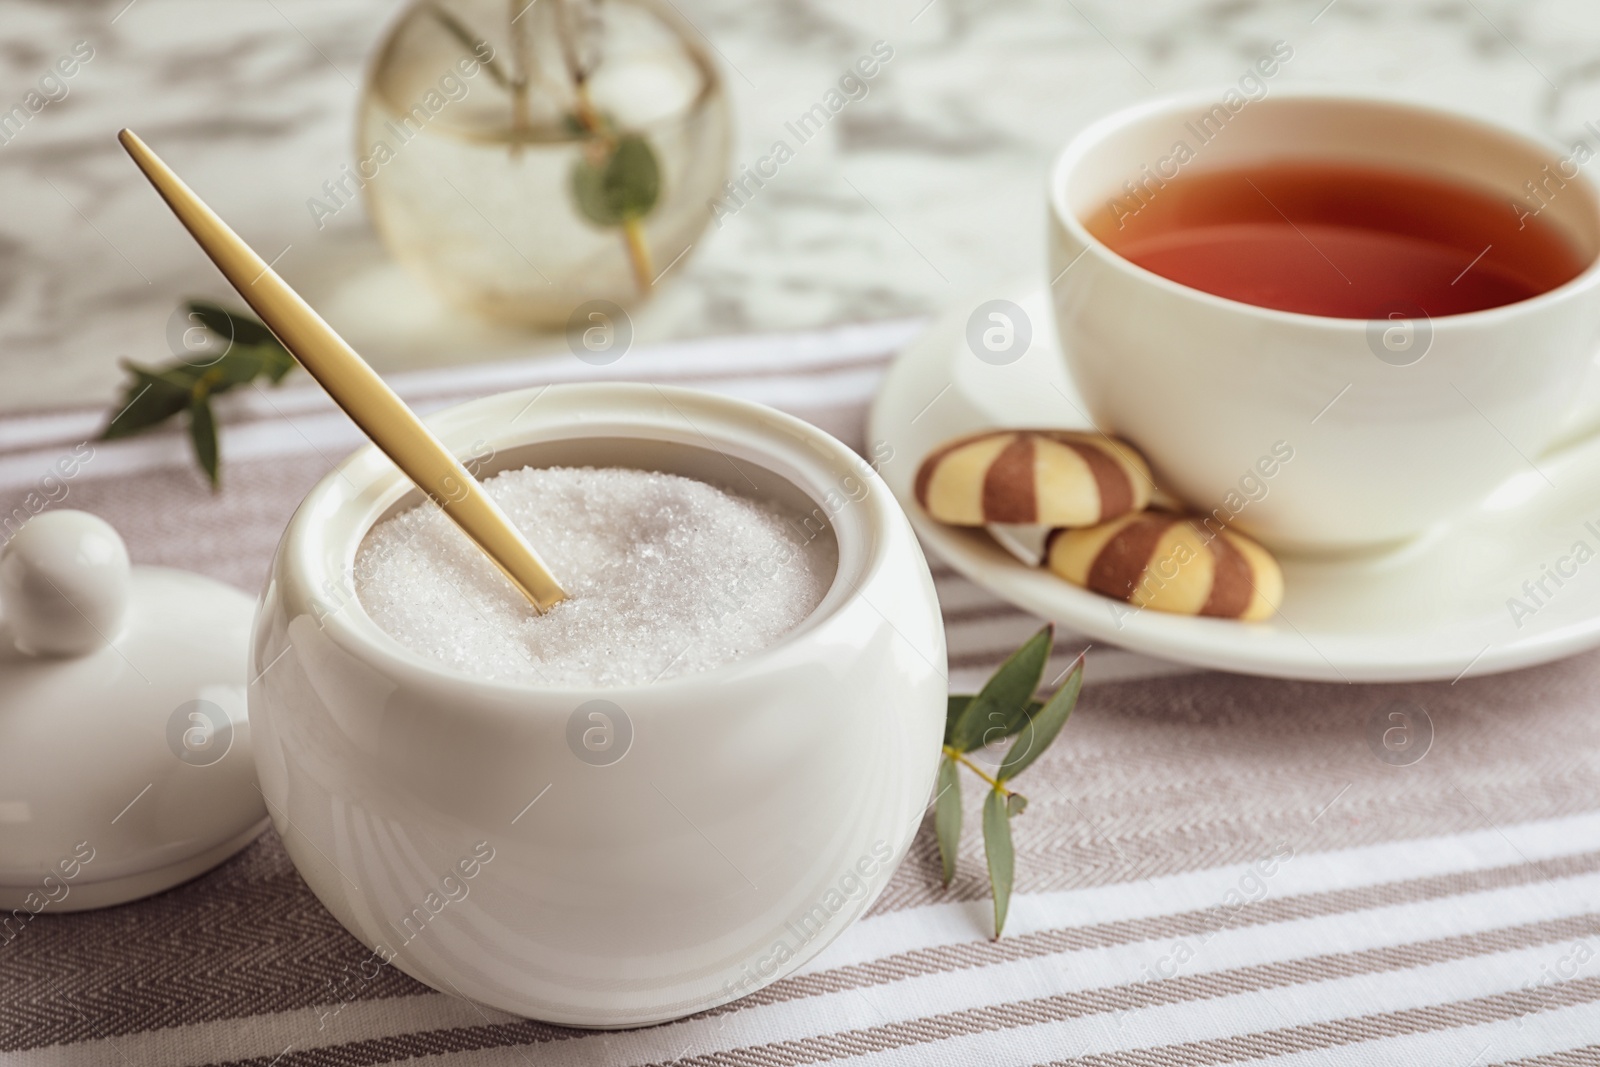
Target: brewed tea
pixel 1338 240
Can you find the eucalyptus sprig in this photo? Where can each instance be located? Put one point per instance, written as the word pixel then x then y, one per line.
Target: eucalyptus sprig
pixel 615 180
pixel 1004 707
pixel 229 349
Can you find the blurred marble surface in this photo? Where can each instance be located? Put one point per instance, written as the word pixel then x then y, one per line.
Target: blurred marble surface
pixel 926 191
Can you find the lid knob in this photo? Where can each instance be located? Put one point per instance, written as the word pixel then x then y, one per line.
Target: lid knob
pixel 64 583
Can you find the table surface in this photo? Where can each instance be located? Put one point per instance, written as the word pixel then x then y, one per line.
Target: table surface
pixel 1212 870
pixel 927 191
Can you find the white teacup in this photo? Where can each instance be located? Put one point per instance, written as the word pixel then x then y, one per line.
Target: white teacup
pixel 1315 432
pixel 723 828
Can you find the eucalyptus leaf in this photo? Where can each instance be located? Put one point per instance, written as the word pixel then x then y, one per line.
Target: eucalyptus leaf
pixel 997 849
pixel 1001 706
pixel 203 432
pixel 1043 728
pixel 151 397
pixel 246 363
pixel 1012 724
pixel 242 364
pixel 248 351
pixel 623 185
pixel 953 707
pixel 947 817
pixel 229 326
pixel 176 376
pixel 277 362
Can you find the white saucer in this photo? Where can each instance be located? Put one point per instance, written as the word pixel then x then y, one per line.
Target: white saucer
pixel 1434 608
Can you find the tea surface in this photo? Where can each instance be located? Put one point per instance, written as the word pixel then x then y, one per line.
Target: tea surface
pixel 1337 240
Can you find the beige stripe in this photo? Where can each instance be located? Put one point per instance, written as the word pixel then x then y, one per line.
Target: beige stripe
pixel 1280 974
pixel 941 958
pixel 1066 492
pixel 955 485
pixel 985 659
pixel 985 612
pixel 1178 577
pixel 1587 1056
pixel 1336 1032
pixel 1073 552
pixel 321 1035
pixel 1132 461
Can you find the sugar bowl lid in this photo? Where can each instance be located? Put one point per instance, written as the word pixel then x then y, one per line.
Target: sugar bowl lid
pixel 125 763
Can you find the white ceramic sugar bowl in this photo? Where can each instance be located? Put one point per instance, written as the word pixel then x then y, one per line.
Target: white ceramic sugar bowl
pixel 607 857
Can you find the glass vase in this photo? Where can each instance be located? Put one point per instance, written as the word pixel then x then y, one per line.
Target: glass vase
pixel 527 158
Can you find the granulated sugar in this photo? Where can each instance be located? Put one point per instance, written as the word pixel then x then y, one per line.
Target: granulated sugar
pixel 665 575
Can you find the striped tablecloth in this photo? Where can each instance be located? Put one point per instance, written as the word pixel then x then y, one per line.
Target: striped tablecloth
pixel 1213 869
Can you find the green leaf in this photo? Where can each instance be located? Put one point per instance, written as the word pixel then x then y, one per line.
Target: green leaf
pixel 1016 804
pixel 1043 728
pixel 279 367
pixel 1001 706
pixel 203 432
pixel 249 349
pixel 155 394
pixel 239 366
pixel 152 397
pixel 997 849
pixel 1012 724
pixel 276 362
pixel 246 363
pixel 232 326
pixel 947 816
pixel 623 185
pixel 953 707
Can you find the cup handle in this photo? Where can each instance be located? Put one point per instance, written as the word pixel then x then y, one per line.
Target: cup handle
pixel 1582 420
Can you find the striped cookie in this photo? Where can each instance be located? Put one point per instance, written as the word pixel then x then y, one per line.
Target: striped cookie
pixel 1046 477
pixel 1170 563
